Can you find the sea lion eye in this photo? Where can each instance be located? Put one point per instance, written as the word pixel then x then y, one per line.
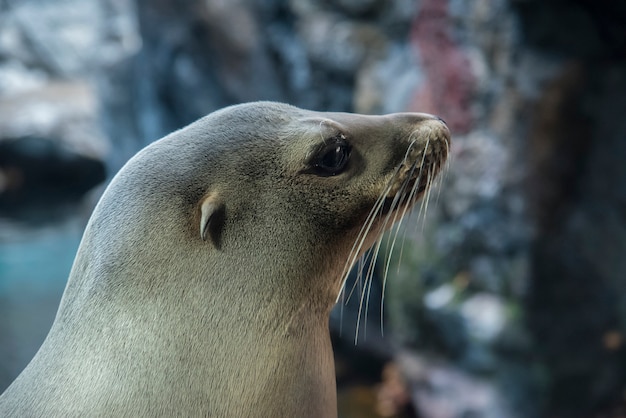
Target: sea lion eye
pixel 332 158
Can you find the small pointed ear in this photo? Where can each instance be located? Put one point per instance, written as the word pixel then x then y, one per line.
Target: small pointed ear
pixel 211 218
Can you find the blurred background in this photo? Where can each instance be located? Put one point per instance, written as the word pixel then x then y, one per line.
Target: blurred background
pixel 509 299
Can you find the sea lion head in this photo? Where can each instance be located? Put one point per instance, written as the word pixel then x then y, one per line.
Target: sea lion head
pixel 286 191
pixel 206 274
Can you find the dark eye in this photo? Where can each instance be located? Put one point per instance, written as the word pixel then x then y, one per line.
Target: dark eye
pixel 332 159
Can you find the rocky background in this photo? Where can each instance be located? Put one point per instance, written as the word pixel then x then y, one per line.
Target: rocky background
pixel 509 299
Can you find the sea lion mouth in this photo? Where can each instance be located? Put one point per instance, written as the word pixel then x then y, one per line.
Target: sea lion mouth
pixel 407 195
pixel 415 175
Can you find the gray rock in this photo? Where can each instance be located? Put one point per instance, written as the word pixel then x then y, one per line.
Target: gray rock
pixel 340 45
pixel 386 84
pixel 359 7
pixel 440 390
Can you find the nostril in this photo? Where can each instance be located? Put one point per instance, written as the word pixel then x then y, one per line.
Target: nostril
pixel 441 120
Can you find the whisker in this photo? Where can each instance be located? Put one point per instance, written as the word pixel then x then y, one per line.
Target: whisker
pixel 342 295
pixel 372 215
pixel 417 183
pixel 429 182
pixel 396 210
pixel 420 175
pixel 370 274
pixel 367 289
pixel 360 240
pixel 443 177
pixel 386 273
pixel 359 275
pixel 438 185
pixel 365 229
pixel 409 221
pixel 400 195
pixel 410 198
pixel 395 204
pixel 397 220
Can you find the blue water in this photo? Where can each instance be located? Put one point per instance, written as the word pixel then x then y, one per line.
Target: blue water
pixel 34 265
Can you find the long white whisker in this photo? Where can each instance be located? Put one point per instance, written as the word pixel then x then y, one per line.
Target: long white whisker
pixel 341 314
pixel 395 238
pixel 428 183
pixel 399 195
pixel 358 244
pixel 359 276
pixel 369 221
pixel 370 274
pixel 396 209
pixel 368 285
pixel 421 173
pixel 418 181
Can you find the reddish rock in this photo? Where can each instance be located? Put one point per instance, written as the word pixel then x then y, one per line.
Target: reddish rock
pixel 449 84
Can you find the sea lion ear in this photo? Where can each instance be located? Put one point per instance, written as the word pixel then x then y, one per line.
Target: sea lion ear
pixel 211 218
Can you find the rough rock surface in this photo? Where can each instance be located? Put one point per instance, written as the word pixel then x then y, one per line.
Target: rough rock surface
pixel 53 146
pixel 509 299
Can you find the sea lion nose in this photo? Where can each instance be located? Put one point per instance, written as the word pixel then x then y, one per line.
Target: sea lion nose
pixel 440 132
pixel 440 120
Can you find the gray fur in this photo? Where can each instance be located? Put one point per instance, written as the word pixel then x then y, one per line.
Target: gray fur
pixel 157 321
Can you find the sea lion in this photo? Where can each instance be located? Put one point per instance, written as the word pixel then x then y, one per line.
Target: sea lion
pixel 205 277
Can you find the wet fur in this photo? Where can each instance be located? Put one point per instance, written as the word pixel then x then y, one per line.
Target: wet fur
pixel 160 319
